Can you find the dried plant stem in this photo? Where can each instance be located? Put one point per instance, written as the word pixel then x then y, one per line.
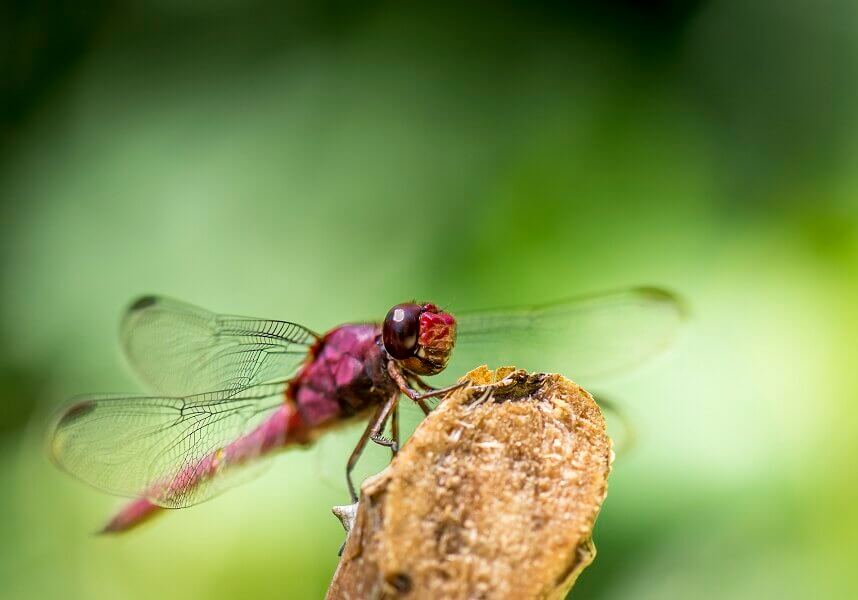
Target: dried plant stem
pixel 494 496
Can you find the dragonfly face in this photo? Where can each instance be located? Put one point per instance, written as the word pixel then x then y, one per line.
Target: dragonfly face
pixel 420 337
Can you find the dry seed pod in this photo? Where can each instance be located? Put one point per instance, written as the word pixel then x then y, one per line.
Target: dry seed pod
pixel 494 496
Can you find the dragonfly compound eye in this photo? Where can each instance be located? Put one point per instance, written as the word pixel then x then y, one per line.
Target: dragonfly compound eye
pixel 400 330
pixel 435 332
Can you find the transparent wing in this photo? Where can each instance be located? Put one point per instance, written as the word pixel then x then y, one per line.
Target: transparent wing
pixel 620 425
pixel 582 337
pixel 179 349
pixel 173 451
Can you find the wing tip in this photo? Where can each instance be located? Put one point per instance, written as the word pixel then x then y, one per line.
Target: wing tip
pixel 75 411
pixel 129 317
pixel 668 297
pixel 142 303
pixel 66 415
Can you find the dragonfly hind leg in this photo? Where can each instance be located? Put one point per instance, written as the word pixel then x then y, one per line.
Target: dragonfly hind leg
pixel 355 455
pixel 373 432
pixel 390 409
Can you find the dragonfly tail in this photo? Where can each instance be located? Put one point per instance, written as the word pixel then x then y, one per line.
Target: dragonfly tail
pixel 284 428
pixel 131 515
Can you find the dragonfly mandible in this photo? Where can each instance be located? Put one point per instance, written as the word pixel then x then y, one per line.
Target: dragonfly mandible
pixel 229 390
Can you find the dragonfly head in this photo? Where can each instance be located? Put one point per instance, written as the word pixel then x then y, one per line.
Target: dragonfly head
pixel 419 336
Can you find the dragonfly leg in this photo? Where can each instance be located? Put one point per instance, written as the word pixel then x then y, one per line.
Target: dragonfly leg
pixel 364 437
pixel 373 432
pixel 402 384
pixel 418 381
pixel 416 396
pixel 438 392
pixel 389 408
pixel 394 429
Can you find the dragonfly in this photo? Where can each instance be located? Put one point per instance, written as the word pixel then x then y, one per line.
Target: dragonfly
pixel 227 391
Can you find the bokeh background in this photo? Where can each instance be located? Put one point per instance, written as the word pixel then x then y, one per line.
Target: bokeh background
pixel 322 161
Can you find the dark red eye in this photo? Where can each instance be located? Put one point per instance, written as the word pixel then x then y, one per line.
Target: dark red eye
pixel 400 330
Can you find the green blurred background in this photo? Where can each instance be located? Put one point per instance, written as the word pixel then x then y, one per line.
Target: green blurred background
pixel 322 161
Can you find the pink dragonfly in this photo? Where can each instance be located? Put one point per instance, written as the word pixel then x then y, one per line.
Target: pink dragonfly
pixel 229 390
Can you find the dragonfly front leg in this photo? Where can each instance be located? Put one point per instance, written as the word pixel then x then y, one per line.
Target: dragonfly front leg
pixel 418 381
pixel 416 396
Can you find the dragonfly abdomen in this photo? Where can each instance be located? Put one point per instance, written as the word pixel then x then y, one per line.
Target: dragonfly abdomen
pixel 282 429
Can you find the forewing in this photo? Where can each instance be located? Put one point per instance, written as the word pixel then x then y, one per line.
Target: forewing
pixel 179 349
pixel 582 337
pixel 173 451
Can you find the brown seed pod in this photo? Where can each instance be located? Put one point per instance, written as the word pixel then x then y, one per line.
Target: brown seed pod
pixel 494 496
